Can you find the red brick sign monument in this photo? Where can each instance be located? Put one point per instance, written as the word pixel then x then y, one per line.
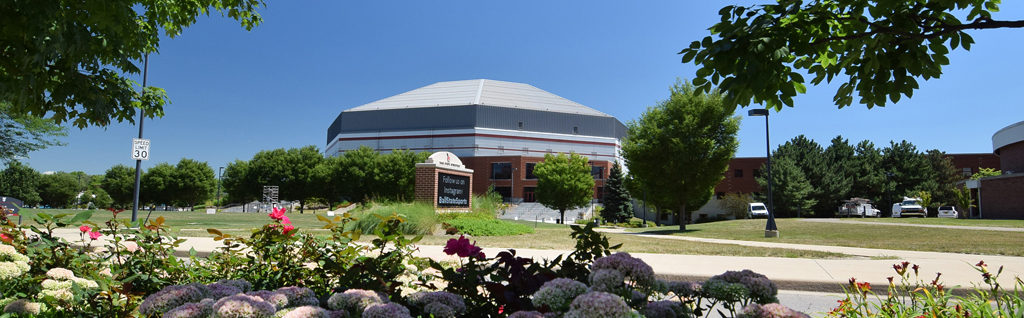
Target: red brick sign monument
pixel 445 182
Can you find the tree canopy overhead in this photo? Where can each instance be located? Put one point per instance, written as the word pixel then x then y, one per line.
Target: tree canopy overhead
pixel 879 49
pixel 70 61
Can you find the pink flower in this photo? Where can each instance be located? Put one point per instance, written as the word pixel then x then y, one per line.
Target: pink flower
pixel 84 228
pixel 5 238
pixel 462 247
pixel 285 220
pixel 278 214
pixel 94 235
pixel 287 228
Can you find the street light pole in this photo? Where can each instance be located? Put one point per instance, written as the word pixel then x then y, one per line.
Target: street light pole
pixel 138 163
pixel 220 179
pixel 770 229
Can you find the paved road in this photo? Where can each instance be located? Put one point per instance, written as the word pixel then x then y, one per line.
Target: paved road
pixel 956 227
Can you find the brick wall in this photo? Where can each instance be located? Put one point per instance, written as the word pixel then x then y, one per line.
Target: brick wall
pixel 482 173
pixel 1002 197
pixel 1012 157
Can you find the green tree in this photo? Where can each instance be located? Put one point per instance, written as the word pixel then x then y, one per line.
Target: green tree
pixel 617 205
pixel 926 198
pixel 20 181
pixel 963 201
pixel 791 193
pixel 737 204
pixel 72 60
pixel 95 199
pixel 238 184
pixel 946 176
pixel 878 49
pixel 395 177
pixel 836 178
pixel 59 189
pixel 698 132
pixel 869 179
pixel 808 156
pixel 292 170
pixel 564 182
pixel 21 134
pixel 909 169
pixel 194 182
pixel 158 185
pixel 119 184
pixel 985 172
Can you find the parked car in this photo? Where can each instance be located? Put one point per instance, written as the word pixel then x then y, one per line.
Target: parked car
pixel 757 209
pixel 948 212
pixel 909 207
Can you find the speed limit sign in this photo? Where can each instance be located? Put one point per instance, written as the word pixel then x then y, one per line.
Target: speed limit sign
pixel 140 149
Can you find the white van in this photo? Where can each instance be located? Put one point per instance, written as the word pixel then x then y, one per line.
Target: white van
pixel 757 209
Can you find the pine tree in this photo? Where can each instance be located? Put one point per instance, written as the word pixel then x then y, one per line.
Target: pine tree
pixel 617 206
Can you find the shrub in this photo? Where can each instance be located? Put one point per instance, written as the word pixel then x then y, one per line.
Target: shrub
pixel 491 227
pixel 419 217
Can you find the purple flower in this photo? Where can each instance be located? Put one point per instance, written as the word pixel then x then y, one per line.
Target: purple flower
pixel 24 307
pixel 388 310
pixel 241 284
pixel 634 269
pixel 279 300
pixel 306 312
pixel 463 248
pixel 243 306
pixel 171 297
pixel 597 304
pixel 201 309
pixel 299 296
pixel 439 303
pixel 685 289
pixel 759 288
pixel 606 280
pixel 526 314
pixel 355 300
pixel 664 309
pixel 773 310
pixel 558 293
pixel 218 290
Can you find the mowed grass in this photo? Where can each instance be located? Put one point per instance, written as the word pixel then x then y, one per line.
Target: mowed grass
pixel 944 221
pixel 546 236
pixel 859 235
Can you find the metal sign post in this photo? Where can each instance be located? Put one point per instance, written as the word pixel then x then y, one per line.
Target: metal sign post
pixel 138 161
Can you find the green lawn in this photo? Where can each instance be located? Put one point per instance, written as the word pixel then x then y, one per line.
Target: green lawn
pixel 944 221
pixel 547 236
pixel 859 235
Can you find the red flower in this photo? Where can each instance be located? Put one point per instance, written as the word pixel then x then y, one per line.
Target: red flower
pixel 915 267
pixel 980 264
pixel 84 228
pixel 462 247
pixel 865 286
pixel 5 238
pixel 94 235
pixel 890 279
pixel 278 214
pixel 287 228
pixel 285 220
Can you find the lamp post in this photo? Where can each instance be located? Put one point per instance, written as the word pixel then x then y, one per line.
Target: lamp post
pixel 770 230
pixel 220 179
pixel 138 163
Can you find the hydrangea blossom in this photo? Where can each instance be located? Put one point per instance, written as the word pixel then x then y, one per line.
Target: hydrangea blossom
pixel 664 309
pixel 201 309
pixel 355 300
pixel 305 312
pixel 243 306
pixel 23 307
pixel 440 303
pixel 54 284
pixel 526 314
pixel 634 269
pixel 299 296
pixel 218 290
pixel 759 288
pixel 558 293
pixel 772 310
pixel 241 284
pixel 685 289
pixel 606 280
pixel 597 304
pixel 279 300
pixel 169 298
pixel 58 294
pixel 60 273
pixel 388 310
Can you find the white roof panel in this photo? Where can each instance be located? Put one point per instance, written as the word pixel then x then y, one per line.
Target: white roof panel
pixel 481 92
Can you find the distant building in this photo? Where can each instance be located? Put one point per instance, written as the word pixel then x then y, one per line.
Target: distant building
pixel 1002 197
pixel 499 129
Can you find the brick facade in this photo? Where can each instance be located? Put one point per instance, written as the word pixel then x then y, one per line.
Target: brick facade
pixel 1002 197
pixel 519 184
pixel 1012 157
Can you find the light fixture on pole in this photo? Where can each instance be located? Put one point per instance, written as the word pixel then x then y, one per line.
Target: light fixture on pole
pixel 770 229
pixel 220 179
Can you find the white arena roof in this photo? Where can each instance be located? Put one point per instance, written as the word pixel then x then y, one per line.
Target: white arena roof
pixel 480 92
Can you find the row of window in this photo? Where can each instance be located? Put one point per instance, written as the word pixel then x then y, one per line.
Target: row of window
pixel 529 193
pixel 503 171
pixel 738 173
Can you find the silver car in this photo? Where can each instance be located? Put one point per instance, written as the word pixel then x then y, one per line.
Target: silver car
pixel 948 212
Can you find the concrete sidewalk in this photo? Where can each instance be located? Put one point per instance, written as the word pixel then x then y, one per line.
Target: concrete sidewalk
pixel 826 275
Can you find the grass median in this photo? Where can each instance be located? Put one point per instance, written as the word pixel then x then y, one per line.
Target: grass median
pixel 858 235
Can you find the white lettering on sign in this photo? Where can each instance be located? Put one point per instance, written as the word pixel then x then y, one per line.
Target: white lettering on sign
pixel 140 149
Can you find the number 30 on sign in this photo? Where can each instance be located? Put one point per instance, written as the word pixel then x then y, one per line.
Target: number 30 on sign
pixel 140 149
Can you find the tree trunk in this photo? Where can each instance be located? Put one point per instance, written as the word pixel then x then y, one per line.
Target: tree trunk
pixel 561 218
pixel 657 216
pixel 682 217
pixel 302 206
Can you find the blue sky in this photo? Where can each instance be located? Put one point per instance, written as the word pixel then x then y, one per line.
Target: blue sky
pixel 235 93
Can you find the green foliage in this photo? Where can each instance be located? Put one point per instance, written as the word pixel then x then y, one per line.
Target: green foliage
pixel 617 205
pixel 158 184
pixel 194 182
pixel 946 175
pixel 95 199
pixel 292 170
pixel 759 54
pixel 419 217
pixel 58 189
pixel 21 134
pixel 985 172
pixel 698 131
pixel 119 183
pixel 791 193
pixel 73 61
pixel 490 203
pixel 237 183
pixel 926 198
pixel 20 181
pixel 737 204
pixel 488 227
pixel 564 182
pixel 963 201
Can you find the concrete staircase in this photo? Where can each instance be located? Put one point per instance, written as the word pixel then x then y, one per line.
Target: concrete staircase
pixel 532 211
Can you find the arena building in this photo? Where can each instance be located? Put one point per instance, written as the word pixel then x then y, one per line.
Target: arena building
pixel 499 129
pixel 1002 196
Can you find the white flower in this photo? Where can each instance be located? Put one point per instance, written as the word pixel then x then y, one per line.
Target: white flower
pixel 56 284
pixel 10 270
pixel 59 294
pixel 60 273
pixel 85 283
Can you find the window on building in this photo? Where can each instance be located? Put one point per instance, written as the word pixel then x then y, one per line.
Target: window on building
pixel 520 125
pixel 505 192
pixel 738 173
pixel 529 170
pixel 528 194
pixel 757 173
pixel 967 172
pixel 597 172
pixel 575 129
pixel 501 170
